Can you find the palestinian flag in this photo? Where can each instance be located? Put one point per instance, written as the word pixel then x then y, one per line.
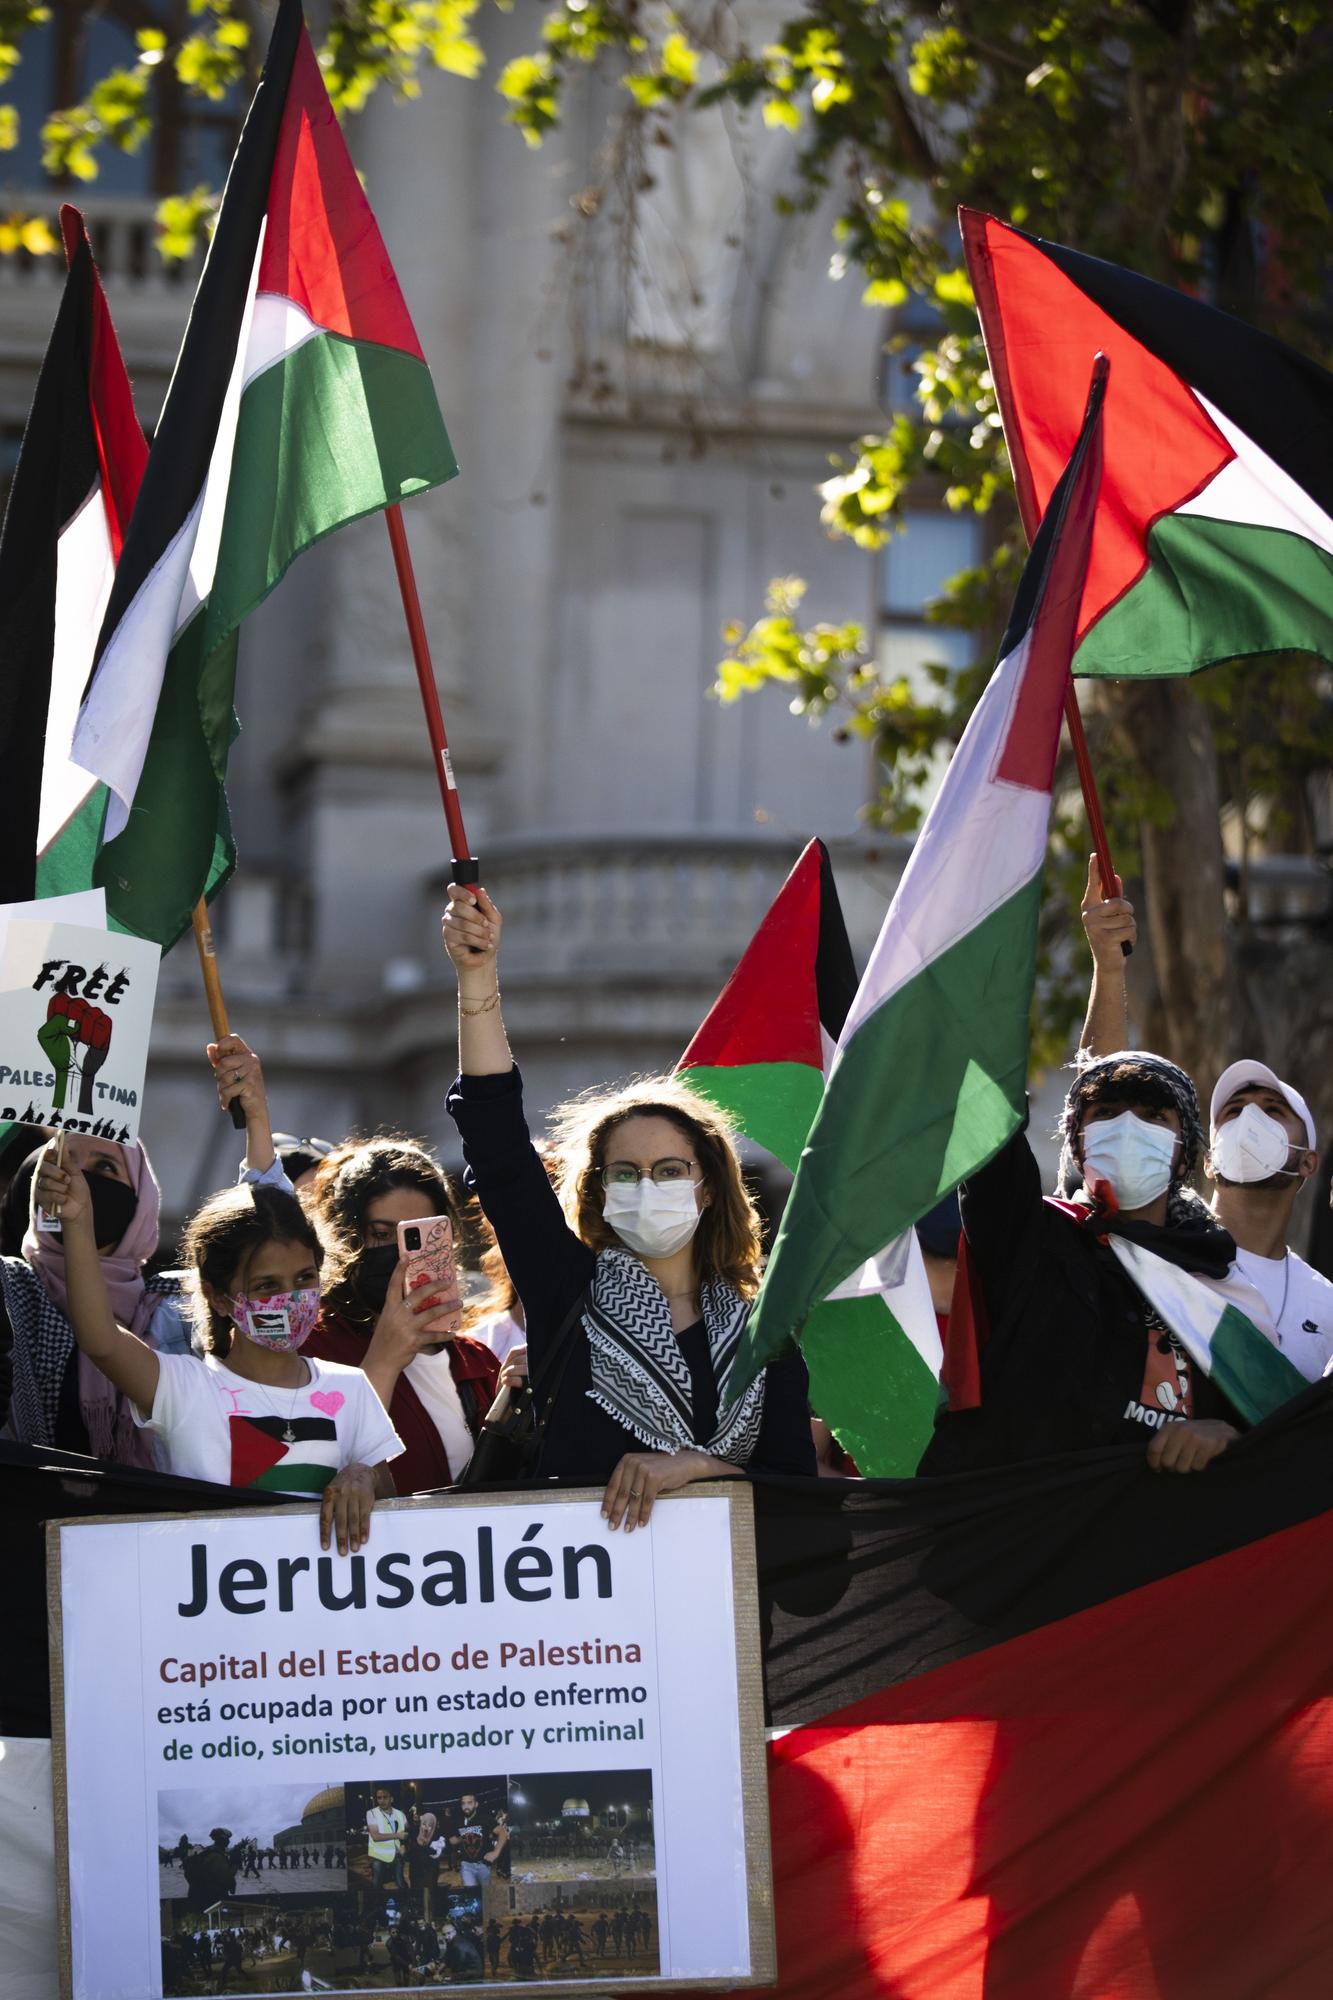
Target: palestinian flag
pixel 301 400
pixel 1215 1330
pixel 74 487
pixel 762 1052
pixel 1215 533
pixel 930 1075
pixel 760 1056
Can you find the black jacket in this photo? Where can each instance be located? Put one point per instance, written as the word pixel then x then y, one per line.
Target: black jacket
pixel 551 1267
pixel 1063 1366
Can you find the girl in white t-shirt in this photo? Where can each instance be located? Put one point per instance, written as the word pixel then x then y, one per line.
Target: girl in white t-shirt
pixel 251 1410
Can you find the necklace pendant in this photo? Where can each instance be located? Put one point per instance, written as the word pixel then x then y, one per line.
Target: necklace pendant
pixel 289 1435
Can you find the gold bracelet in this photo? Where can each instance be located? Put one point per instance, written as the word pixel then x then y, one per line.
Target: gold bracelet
pixel 486 1007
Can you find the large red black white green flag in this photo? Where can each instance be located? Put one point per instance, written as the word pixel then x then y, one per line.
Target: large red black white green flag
pixel 1214 539
pixel 930 1075
pixel 301 400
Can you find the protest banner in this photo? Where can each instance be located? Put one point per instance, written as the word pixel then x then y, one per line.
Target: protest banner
pixel 501 1742
pixel 76 1011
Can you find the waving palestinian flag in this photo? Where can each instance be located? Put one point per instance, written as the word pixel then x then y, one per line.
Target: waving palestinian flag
pixel 930 1075
pixel 1215 534
pixel 763 1049
pixel 301 400
pixel 873 1349
pixel 69 505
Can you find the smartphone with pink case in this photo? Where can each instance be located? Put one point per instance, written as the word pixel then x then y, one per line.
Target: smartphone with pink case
pixel 427 1247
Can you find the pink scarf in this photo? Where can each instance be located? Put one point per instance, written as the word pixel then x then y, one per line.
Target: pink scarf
pixel 426 1829
pixel 112 1432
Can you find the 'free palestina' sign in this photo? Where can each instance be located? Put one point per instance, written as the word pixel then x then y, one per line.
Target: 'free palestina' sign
pixel 501 1743
pixel 76 1011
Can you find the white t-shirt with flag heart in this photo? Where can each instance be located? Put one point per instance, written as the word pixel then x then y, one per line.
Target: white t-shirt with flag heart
pixel 222 1427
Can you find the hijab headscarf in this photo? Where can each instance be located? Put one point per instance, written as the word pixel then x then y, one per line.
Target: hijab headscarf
pixel 122 1269
pixel 112 1432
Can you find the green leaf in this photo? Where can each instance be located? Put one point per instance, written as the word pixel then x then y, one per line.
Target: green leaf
pixel 954 288
pixel 646 90
pixel 780 111
pixel 885 292
pixel 182 220
pixel 519 78
pixel 679 60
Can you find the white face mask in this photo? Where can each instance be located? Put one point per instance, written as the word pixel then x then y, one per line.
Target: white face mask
pixel 653 1220
pixel 1134 1156
pixel 1250 1148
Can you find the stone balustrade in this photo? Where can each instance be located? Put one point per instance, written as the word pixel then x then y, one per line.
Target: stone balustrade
pixel 657 907
pixel 149 298
pixel 123 232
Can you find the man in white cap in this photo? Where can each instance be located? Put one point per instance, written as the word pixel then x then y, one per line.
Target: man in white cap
pixel 1262 1150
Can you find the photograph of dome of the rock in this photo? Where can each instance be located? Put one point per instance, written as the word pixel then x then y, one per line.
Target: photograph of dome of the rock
pixel 233 1842
pixel 598 1824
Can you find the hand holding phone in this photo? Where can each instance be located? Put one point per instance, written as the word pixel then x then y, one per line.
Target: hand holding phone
pixel 426 1246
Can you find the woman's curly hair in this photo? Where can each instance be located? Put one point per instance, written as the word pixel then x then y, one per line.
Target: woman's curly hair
pixel 728 1237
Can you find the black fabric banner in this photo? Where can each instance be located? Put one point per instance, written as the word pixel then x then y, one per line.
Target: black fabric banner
pixel 863 1583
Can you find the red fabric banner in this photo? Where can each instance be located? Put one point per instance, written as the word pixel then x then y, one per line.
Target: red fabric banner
pixel 1134 1803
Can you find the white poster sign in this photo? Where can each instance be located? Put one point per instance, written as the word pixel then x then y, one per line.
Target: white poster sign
pixel 81 906
pixel 500 1744
pixel 76 1012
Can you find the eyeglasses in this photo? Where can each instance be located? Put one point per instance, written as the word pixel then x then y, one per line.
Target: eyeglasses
pixel 662 1173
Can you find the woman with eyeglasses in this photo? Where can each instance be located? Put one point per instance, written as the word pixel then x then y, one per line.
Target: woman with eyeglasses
pixel 636 1272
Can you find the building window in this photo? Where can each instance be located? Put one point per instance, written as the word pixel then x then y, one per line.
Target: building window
pixel 914 568
pixel 191 141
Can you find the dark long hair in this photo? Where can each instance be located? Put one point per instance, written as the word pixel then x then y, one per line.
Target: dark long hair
pixel 222 1234
pixel 353 1176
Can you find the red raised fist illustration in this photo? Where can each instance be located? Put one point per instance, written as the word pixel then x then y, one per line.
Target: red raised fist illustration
pixel 96 1028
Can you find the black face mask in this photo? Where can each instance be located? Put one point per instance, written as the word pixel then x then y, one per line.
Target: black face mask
pixel 113 1209
pixel 370 1275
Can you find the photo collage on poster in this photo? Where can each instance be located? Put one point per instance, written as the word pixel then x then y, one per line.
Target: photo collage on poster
pixel 402 1882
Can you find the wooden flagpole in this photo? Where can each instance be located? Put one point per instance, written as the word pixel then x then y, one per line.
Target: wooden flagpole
pixel 217 1005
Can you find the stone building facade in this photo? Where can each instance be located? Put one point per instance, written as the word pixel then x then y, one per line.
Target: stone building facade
pixel 640 439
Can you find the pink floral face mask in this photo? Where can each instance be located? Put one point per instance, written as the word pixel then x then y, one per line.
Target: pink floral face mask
pixel 284 1321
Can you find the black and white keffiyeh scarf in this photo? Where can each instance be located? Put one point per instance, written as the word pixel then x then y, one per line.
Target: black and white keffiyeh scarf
pixel 42 1344
pixel 639 1375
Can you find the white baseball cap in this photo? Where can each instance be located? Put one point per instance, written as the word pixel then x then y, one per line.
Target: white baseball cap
pixel 1242 1074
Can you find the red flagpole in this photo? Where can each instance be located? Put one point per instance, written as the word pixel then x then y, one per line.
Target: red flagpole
pixel 1092 803
pixel 466 867
pixel 1078 741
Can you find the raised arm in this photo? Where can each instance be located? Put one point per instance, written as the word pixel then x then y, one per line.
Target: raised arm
pixel 1109 926
pixel 122 1357
pixel 471 930
pixel 545 1259
pixel 238 1075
